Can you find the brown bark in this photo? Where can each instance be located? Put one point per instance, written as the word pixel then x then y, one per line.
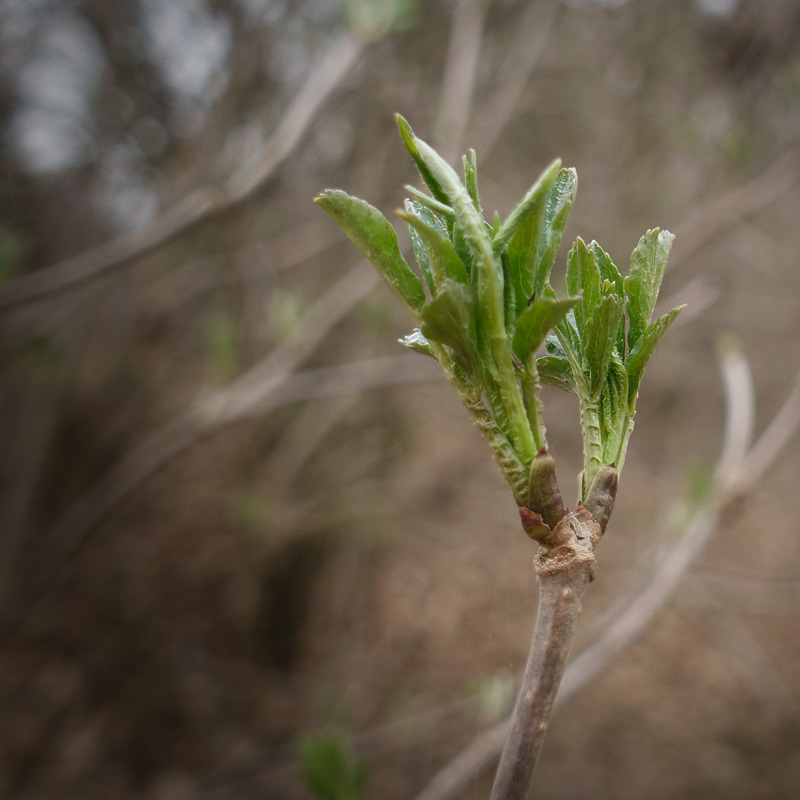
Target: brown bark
pixel 565 566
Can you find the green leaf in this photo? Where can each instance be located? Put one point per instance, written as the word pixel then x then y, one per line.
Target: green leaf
pixel 556 371
pixel 608 269
pixel 536 321
pixel 528 207
pixel 468 222
pixel 535 242
pixel 645 347
pixel 602 328
pixel 444 261
pixel 449 319
pixel 556 214
pixel 509 295
pixel 648 262
pixel 444 211
pixel 411 142
pixel 583 276
pixel 377 240
pixel 418 245
pixel 471 180
pixel 487 278
pixel 613 410
pixel 330 769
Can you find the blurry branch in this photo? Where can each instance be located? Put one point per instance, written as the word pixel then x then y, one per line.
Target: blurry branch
pixel 525 51
pixel 176 436
pixel 744 201
pixel 738 471
pixel 460 73
pixel 745 651
pixel 248 394
pixel 203 203
pixel 26 443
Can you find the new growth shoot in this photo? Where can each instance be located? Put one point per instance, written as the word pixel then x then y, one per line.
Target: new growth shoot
pixel 486 311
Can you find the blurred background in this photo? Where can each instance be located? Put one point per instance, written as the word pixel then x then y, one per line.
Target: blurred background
pixel 236 517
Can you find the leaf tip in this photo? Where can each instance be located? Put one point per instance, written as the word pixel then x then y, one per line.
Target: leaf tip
pixel 405 131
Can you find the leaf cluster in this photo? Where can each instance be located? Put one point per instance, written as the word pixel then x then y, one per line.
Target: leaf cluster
pixel 484 306
pixel 600 349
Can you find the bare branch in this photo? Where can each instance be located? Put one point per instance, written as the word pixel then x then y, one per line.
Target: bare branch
pixel 203 203
pixel 460 73
pixel 533 32
pixel 744 201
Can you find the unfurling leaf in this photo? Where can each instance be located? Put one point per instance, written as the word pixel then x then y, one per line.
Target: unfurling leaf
pixel 645 348
pixel 537 235
pixel 601 337
pixel 471 180
pixel 614 415
pixel 443 259
pixel 536 321
pixel 648 262
pixel 376 239
pixel 556 214
pixel 556 371
pixel 583 276
pixel 410 142
pixel 533 201
pixel 448 319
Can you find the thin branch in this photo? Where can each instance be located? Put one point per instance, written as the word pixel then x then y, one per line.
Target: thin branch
pixel 458 83
pixel 702 227
pixel 741 412
pixel 658 590
pixel 777 434
pixel 203 203
pixel 564 573
pixel 247 394
pixel 533 31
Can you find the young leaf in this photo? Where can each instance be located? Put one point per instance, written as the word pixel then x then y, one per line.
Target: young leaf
pixel 509 295
pixel 583 275
pixel 471 180
pixel 608 269
pixel 468 222
pixel 443 210
pixel 648 262
pixel 448 319
pixel 418 246
pixel 556 371
pixel 533 200
pixel 376 239
pixel 411 143
pixel 533 246
pixel 536 321
pixel 444 261
pixel 645 348
pixel 556 214
pixel 613 410
pixel 601 338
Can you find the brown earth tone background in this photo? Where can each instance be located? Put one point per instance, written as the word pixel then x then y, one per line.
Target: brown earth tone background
pixel 234 514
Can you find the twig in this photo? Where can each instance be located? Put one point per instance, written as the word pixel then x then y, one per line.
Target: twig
pixel 713 220
pixel 564 573
pixel 247 394
pixel 202 203
pixel 533 32
pixel 458 83
pixel 659 588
